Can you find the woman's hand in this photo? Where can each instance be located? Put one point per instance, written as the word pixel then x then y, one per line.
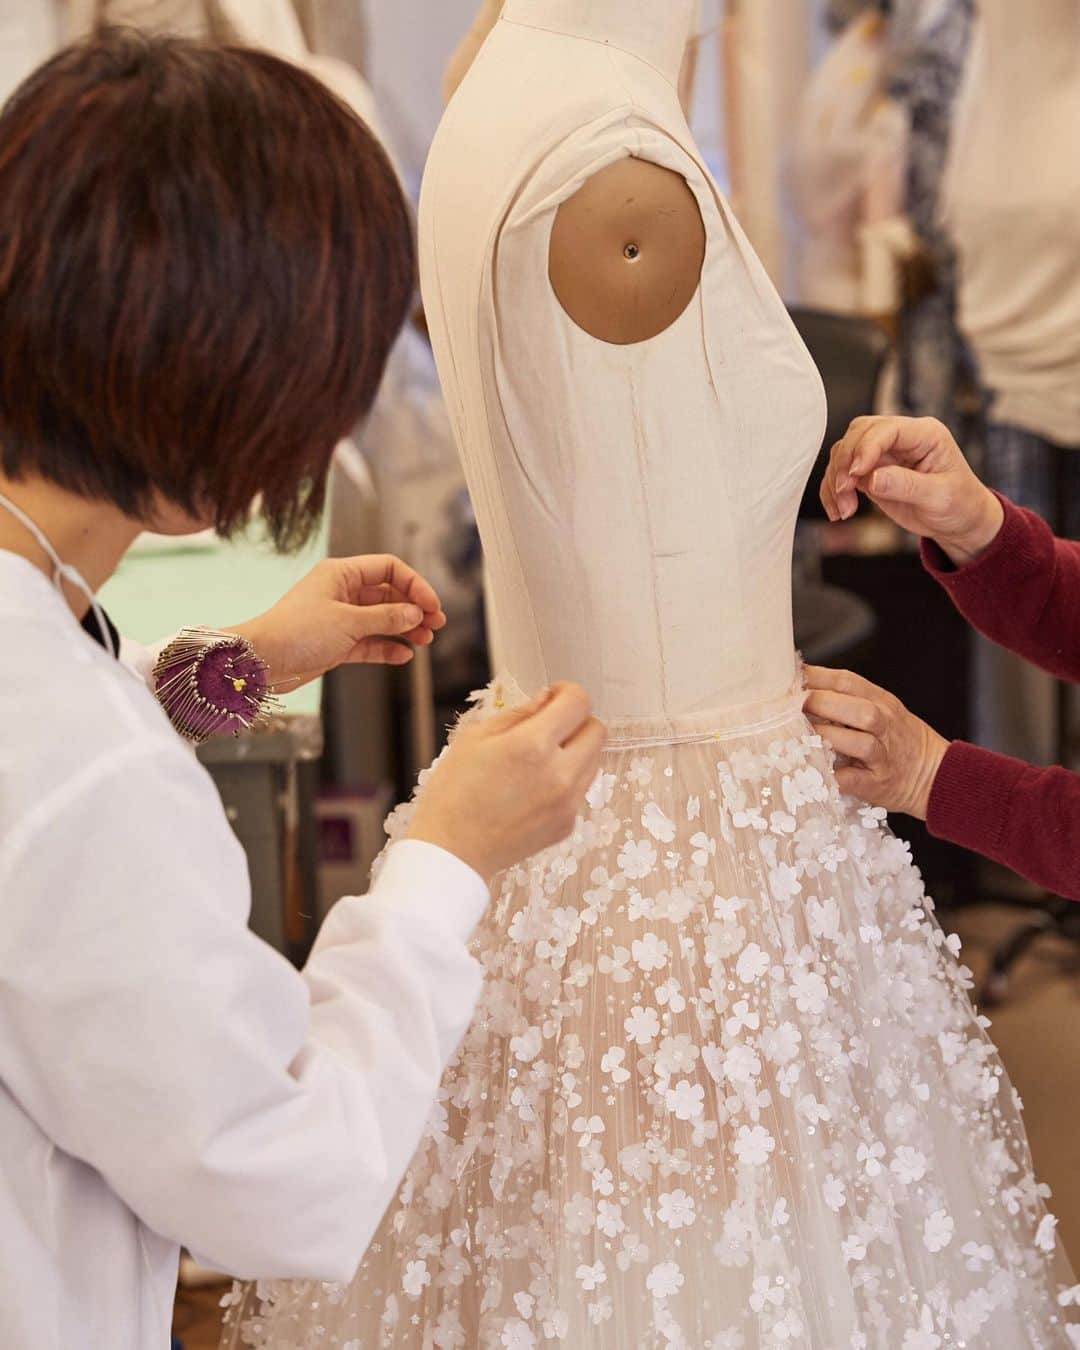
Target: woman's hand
pixel 917 474
pixel 345 610
pixel 893 756
pixel 512 785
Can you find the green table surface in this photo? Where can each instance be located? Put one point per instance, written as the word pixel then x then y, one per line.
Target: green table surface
pixel 156 592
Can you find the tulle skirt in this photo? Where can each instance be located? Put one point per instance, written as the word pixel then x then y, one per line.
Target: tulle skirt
pixel 725 1090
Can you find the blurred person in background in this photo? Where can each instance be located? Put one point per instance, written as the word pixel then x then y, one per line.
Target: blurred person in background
pixel 935 365
pixel 204 260
pixel 1012 206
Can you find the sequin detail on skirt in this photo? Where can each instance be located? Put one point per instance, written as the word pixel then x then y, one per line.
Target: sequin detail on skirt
pixel 725 1090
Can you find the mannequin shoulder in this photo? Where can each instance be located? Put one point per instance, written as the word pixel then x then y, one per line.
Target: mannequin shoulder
pixel 627 251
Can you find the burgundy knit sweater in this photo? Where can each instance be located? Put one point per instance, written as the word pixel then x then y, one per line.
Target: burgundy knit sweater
pixel 1024 594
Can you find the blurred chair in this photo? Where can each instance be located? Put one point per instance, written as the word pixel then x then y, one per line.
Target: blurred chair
pixel 833 626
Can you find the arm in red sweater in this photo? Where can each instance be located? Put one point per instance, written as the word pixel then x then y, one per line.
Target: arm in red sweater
pixel 1023 592
pixel 1026 818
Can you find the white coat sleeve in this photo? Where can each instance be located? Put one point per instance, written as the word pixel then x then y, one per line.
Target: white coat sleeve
pixel 142 659
pixel 260 1116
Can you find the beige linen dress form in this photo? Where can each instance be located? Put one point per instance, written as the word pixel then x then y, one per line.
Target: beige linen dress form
pixel 725 1089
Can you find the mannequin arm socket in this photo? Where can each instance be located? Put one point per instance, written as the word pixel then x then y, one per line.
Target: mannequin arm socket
pixel 627 252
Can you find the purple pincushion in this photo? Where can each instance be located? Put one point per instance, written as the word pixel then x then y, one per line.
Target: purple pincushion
pixel 211 684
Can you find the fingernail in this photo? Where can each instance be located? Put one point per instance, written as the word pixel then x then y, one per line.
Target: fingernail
pixel 880 482
pixel 413 614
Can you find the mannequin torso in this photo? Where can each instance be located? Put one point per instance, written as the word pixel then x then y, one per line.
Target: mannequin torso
pixel 712 1000
pixel 580 248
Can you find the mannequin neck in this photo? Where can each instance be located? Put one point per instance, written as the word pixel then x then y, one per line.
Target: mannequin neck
pixel 656 31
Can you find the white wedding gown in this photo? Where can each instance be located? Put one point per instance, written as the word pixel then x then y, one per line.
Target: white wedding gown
pixel 725 1087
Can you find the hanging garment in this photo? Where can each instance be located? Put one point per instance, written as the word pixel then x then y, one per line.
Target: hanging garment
pixel 848 159
pixel 337 28
pixel 273 25
pixel 935 362
pixel 28 36
pixel 1011 197
pixel 768 51
pixel 464 53
pixel 725 1087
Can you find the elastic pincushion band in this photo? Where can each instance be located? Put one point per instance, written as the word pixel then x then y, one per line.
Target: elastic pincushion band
pixel 212 684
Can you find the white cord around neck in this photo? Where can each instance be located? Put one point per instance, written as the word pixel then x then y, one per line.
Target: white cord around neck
pixel 63 571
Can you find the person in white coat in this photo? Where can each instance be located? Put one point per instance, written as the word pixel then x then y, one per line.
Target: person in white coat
pixel 204 259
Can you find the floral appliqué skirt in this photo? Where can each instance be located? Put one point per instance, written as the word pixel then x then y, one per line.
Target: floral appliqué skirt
pixel 725 1090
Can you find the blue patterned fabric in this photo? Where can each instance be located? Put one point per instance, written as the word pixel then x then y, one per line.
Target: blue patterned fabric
pixel 934 358
pixel 1026 468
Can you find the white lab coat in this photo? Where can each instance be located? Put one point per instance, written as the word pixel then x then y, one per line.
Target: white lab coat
pixel 165 1077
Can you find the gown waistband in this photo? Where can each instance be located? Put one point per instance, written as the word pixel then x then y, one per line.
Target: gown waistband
pixel 642 733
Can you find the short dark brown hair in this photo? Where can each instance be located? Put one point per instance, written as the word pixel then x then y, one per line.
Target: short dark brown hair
pixel 205 258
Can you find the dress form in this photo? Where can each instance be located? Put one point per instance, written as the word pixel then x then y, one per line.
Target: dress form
pixel 271 25
pixel 588 24
pixel 627 251
pixel 848 162
pixel 655 34
pixel 559 73
pixel 712 1016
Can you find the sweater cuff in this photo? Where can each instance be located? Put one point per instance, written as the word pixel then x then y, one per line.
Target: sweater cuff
pixel 427 881
pixel 970 799
pixel 1014 553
